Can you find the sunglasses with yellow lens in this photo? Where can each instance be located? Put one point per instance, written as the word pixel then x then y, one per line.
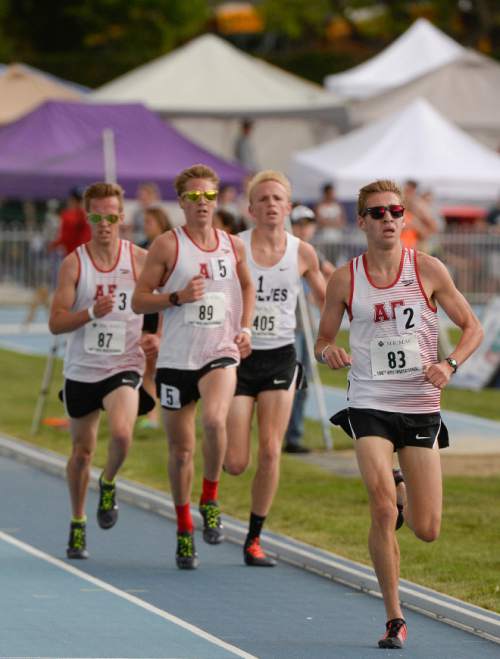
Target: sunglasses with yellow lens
pixel 95 218
pixel 196 195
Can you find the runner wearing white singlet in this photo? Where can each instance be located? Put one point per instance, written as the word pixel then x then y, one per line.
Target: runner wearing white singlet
pixel 391 294
pixel 105 353
pixel 267 378
pixel 204 288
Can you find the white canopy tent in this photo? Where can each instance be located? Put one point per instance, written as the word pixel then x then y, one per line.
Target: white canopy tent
pixel 466 91
pixel 421 49
pixel 415 143
pixel 207 86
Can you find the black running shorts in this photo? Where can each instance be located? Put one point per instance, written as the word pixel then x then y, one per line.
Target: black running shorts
pixel 176 388
pixel 82 398
pixel 267 370
pixel 401 429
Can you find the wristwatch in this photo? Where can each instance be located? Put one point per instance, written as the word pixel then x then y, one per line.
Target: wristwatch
pixel 453 363
pixel 174 299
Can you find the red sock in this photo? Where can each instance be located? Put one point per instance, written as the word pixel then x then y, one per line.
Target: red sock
pixel 209 491
pixel 184 519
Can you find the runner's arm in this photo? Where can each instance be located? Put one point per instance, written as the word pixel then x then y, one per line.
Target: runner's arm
pixel 445 293
pixel 62 319
pixel 337 296
pixel 311 272
pixel 246 283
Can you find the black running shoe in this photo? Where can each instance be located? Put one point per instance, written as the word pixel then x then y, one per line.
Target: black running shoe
pixel 186 556
pixel 107 510
pixel 255 556
pixel 77 543
pixel 212 525
pixel 398 478
pixel 395 635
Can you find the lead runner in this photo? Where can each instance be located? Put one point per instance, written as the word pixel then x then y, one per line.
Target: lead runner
pixel 391 295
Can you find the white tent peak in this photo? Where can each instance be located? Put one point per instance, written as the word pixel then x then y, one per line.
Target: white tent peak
pixel 419 50
pixel 415 143
pixel 209 75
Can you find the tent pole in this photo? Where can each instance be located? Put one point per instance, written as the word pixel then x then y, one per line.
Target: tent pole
pixel 109 155
pixel 45 388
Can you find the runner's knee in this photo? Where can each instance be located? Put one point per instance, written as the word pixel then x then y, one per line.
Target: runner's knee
pixel 269 453
pixel 213 423
pixel 428 531
pixel 235 465
pixel 384 513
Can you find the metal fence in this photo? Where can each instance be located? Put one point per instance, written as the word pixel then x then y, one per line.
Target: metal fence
pixel 472 257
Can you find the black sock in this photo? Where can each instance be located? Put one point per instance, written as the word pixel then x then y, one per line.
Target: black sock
pixel 255 527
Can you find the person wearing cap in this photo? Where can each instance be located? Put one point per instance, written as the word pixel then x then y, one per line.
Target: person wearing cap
pixel 303 221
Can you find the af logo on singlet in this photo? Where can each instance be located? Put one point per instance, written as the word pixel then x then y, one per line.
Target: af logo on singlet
pixel 220 268
pixel 396 357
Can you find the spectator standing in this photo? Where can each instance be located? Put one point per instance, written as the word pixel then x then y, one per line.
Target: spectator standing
pixel 330 215
pixel 303 221
pixel 244 150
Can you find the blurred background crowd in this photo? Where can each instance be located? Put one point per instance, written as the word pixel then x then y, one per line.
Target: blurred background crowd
pixel 333 93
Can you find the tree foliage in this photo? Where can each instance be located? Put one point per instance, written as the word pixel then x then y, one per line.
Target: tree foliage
pixel 103 37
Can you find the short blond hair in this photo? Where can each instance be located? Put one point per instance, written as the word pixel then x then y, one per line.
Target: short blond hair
pixel 101 190
pixel 196 171
pixel 269 175
pixel 383 185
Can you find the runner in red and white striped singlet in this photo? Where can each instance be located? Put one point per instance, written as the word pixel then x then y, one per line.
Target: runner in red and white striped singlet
pixel 391 295
pixel 386 313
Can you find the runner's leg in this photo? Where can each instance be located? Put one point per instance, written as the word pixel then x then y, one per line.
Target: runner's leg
pixel 84 435
pixel 180 429
pixel 374 455
pixel 239 423
pixel 121 406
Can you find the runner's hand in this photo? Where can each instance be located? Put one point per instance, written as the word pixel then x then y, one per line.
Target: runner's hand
pixel 336 357
pixel 150 343
pixel 438 374
pixel 244 343
pixel 103 305
pixel 195 290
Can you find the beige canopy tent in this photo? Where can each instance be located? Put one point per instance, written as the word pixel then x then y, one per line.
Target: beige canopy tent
pixel 23 88
pixel 208 86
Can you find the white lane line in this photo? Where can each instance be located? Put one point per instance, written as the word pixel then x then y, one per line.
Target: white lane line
pixel 29 549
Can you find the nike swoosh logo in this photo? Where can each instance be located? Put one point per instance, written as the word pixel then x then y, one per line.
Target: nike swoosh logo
pixel 421 437
pixel 408 282
pixel 279 381
pixel 282 269
pixel 216 364
pixel 128 382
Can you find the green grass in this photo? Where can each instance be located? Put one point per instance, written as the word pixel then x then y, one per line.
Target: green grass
pixel 312 505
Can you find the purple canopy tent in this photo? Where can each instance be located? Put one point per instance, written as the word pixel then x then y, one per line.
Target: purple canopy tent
pixel 59 146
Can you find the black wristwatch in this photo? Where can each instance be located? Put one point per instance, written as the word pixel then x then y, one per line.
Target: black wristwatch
pixel 453 363
pixel 174 299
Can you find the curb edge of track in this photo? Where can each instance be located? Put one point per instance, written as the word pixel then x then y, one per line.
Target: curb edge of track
pixel 443 608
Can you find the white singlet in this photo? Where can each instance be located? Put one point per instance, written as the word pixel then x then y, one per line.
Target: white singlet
pixel 197 333
pixel 393 336
pixel 276 291
pixel 107 345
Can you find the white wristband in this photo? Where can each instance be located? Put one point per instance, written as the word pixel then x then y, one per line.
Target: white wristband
pixel 247 331
pixel 91 313
pixel 322 354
